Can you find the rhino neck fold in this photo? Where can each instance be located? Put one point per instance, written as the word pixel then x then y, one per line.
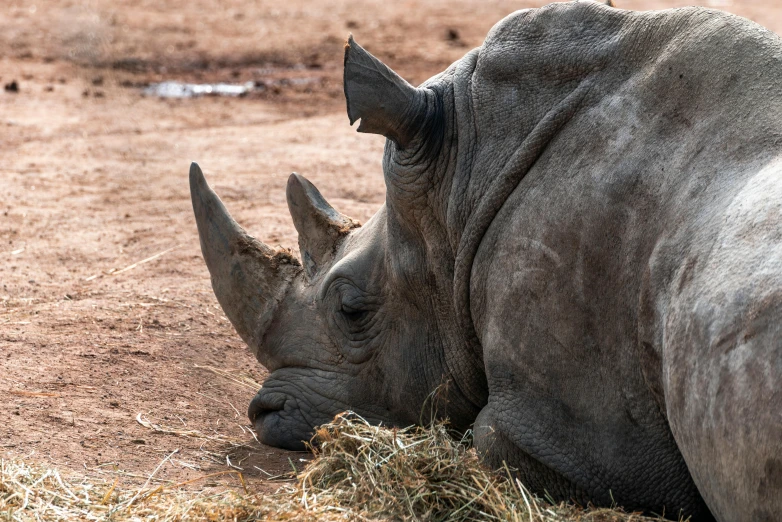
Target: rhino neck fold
pixel 516 168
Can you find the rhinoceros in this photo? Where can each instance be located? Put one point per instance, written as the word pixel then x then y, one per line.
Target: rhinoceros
pixel 579 256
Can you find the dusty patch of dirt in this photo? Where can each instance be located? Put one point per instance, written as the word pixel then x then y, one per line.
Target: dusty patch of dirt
pixel 106 310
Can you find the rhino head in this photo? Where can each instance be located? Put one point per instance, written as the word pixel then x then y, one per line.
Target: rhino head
pixel 365 321
pixel 375 318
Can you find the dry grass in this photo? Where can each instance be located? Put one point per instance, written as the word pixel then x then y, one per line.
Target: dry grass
pixel 421 474
pixel 360 472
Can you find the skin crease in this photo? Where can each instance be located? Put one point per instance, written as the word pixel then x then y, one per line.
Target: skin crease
pixel 610 184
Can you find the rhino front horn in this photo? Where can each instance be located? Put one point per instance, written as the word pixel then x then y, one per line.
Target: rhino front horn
pixel 248 277
pixel 384 102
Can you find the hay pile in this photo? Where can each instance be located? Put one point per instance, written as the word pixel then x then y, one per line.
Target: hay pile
pixel 360 472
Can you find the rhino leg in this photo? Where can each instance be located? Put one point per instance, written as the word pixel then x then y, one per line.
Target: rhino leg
pixel 722 357
pixel 725 411
pixel 498 448
pixel 639 475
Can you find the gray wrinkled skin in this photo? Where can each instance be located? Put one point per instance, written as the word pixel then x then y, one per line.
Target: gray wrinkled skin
pixel 581 245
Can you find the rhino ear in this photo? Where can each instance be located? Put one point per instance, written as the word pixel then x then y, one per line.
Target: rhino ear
pixel 384 102
pixel 320 227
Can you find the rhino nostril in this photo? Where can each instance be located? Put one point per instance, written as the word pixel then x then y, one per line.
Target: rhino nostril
pixel 262 404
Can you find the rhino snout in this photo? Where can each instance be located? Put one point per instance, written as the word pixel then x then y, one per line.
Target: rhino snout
pixel 263 403
pixel 278 421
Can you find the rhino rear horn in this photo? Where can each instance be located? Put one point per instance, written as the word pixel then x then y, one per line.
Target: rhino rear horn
pixel 384 102
pixel 320 227
pixel 248 277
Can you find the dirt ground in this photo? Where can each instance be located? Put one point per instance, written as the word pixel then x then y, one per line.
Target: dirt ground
pixel 106 310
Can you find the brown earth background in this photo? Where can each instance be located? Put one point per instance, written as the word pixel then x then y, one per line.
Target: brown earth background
pixel 93 183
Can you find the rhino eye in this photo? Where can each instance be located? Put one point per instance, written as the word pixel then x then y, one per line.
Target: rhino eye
pixel 353 315
pixel 354 310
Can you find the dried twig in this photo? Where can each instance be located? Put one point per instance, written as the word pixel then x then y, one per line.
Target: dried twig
pixel 24 393
pixel 113 271
pixel 242 380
